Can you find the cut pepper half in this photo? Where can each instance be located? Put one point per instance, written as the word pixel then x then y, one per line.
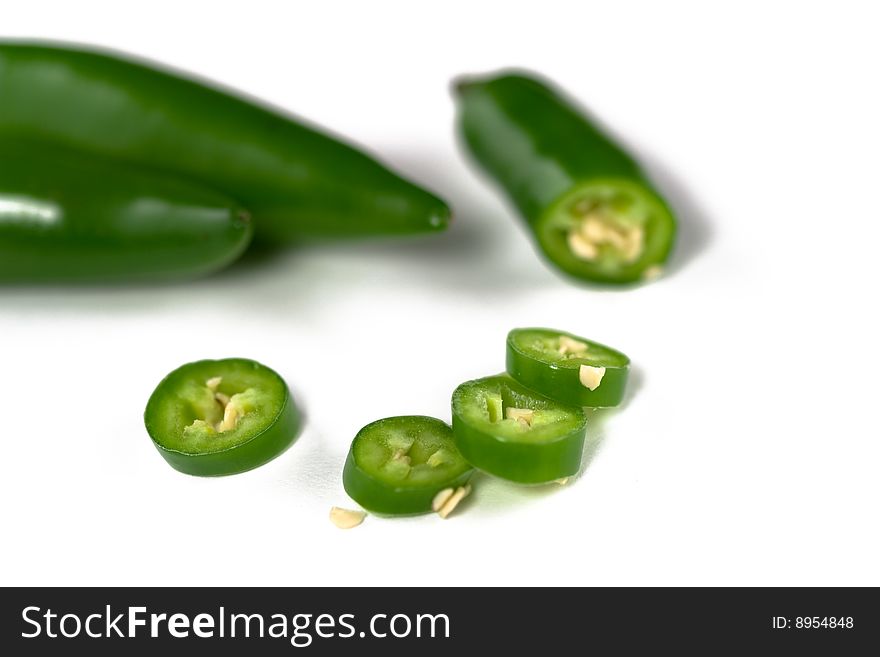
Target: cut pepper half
pixel 219 417
pixel 509 431
pixel 592 210
pixel 607 230
pixel 398 465
pixel 566 367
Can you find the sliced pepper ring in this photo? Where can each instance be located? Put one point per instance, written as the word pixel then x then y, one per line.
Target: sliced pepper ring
pixel 220 417
pixel 509 431
pixel 398 465
pixel 566 367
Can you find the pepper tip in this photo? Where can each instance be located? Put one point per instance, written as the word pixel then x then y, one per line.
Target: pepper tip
pixel 461 84
pixel 441 218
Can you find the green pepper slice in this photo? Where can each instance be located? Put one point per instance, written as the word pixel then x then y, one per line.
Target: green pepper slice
pixel 398 465
pixel 66 216
pixel 220 417
pixel 296 181
pixel 509 431
pixel 566 367
pixel 592 211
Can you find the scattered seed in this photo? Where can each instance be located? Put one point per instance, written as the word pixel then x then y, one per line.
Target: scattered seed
pixel 441 498
pixel 402 456
pixel 562 481
pixel 460 493
pixel 594 230
pixel 220 397
pixel 230 417
pixel 581 247
pixel 214 382
pixel 635 240
pixel 591 377
pixel 568 345
pixel 346 518
pixel 522 415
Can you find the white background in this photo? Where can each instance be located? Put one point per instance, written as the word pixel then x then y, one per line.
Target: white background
pixel 748 450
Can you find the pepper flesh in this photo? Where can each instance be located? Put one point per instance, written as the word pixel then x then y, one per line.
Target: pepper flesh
pixel 538 441
pixel 566 367
pixel 592 210
pixel 66 216
pixel 398 465
pixel 296 181
pixel 190 422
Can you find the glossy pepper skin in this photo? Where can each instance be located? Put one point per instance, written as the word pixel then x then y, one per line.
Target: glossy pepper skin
pixel 185 409
pixel 548 157
pixel 296 181
pixel 70 217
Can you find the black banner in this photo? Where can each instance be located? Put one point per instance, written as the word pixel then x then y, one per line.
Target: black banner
pixel 433 621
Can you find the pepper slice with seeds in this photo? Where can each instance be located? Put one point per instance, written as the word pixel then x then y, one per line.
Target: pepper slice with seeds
pixel 593 212
pixel 220 417
pixel 399 465
pixel 509 431
pixel 567 368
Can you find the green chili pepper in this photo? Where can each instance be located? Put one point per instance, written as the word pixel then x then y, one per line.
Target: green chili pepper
pixel 567 368
pixel 220 417
pixel 509 431
pixel 593 212
pixel 67 216
pixel 296 181
pixel 399 465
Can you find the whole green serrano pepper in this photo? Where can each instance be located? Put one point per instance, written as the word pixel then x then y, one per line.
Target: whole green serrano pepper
pixel 65 216
pixel 592 210
pixel 296 181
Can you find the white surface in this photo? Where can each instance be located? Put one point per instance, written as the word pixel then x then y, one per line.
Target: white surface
pixel 748 451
